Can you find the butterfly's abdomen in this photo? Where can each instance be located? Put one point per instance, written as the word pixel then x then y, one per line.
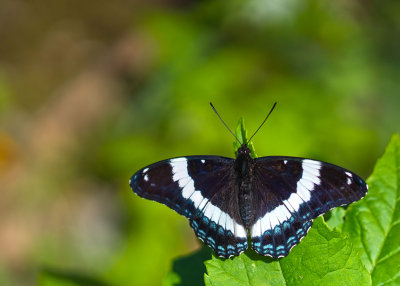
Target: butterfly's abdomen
pixel 246 210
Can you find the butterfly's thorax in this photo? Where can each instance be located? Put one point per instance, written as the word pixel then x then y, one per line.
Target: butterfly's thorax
pixel 244 166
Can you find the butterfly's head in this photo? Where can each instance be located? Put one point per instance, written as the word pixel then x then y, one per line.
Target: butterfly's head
pixel 244 150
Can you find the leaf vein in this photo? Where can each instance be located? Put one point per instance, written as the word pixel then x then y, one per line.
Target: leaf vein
pixel 388 256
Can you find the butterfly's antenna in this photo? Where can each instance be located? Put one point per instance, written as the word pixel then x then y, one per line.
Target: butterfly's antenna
pixel 262 122
pixel 224 123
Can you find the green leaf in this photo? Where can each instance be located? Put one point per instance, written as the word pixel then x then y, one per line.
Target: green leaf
pixel 374 223
pixel 334 218
pixel 241 134
pixel 324 257
pixel 245 269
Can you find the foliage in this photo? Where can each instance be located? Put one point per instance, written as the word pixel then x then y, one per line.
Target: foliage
pixel 88 96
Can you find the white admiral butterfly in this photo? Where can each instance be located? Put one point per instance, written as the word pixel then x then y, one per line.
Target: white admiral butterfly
pixel 273 200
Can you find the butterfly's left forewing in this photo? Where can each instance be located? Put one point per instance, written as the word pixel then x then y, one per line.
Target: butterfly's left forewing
pixel 290 193
pixel 203 189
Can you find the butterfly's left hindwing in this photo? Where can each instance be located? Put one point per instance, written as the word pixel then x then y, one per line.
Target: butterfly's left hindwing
pixel 203 189
pixel 291 192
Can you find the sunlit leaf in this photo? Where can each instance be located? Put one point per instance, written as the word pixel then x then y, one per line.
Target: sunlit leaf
pixel 374 222
pixel 334 218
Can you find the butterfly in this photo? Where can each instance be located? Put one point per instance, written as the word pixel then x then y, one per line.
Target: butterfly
pixel 272 200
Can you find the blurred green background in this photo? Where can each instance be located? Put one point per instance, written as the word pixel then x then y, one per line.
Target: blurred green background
pixel 91 92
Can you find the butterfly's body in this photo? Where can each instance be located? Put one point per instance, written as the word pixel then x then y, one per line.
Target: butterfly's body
pixel 243 168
